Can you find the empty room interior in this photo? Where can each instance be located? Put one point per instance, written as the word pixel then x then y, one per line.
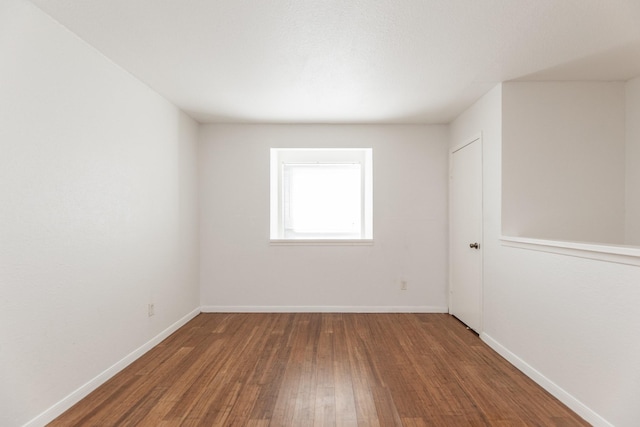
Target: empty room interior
pixel 415 212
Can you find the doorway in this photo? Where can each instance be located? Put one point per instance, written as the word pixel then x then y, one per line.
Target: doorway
pixel 466 247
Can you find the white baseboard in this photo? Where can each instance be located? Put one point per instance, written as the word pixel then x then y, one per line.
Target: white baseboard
pixel 66 403
pixel 321 309
pixel 559 393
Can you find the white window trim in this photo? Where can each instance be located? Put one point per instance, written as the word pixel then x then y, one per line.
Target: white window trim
pixel 279 156
pixel 321 242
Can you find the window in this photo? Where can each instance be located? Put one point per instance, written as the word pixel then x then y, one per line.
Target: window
pixel 321 194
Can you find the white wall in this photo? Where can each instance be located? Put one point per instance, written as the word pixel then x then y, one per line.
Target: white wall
pixel 568 322
pixel 564 152
pixel 632 92
pixel 240 270
pixel 98 187
pixel 485 116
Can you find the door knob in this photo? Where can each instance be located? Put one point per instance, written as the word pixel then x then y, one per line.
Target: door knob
pixel 474 245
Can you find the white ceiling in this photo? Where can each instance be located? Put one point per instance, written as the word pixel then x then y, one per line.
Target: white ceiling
pixel 357 61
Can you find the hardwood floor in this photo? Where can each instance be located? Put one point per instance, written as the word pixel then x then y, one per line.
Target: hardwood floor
pixel 312 369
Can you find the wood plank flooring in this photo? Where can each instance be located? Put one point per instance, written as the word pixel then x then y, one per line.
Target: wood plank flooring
pixel 312 369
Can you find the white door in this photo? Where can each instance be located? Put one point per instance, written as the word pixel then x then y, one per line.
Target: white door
pixel 465 299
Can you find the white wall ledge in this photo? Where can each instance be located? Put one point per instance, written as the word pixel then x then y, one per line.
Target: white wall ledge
pixel 621 254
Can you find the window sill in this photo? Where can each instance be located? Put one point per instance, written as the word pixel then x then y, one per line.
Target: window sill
pixel 321 242
pixel 620 254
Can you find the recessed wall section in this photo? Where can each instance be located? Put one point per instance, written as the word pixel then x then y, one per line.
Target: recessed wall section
pixel 564 161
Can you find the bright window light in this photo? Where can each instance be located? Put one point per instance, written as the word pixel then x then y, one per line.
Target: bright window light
pixel 323 198
pixel 321 194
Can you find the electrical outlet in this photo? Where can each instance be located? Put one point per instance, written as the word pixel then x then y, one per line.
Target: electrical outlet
pixel 403 285
pixel 152 310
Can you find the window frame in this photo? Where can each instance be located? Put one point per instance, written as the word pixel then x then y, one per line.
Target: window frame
pixel 329 156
